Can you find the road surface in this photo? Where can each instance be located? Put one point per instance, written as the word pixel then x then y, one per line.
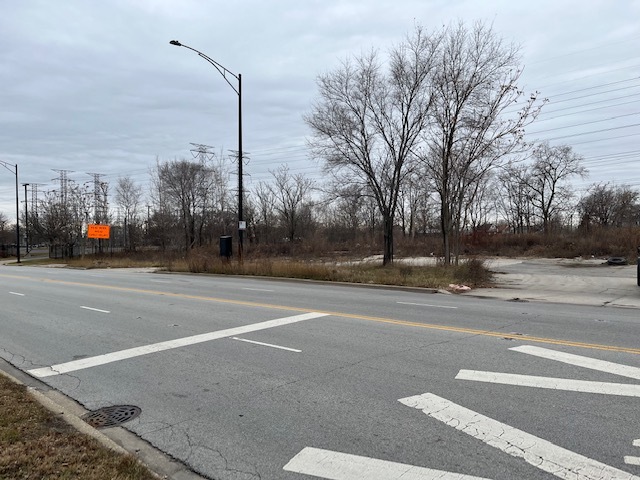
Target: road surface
pixel 243 378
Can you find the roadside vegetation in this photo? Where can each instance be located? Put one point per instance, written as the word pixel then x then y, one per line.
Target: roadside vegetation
pixel 360 263
pixel 36 444
pixel 470 272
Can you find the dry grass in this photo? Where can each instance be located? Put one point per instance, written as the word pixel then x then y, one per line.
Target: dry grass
pixel 471 272
pixel 36 444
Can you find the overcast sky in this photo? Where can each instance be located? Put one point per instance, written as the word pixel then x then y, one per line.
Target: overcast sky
pixel 95 87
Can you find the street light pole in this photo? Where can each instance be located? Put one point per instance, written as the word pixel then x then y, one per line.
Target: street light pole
pixel 15 172
pixel 224 72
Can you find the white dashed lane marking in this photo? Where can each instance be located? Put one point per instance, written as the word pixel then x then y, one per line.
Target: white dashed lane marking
pixel 95 309
pixel 267 344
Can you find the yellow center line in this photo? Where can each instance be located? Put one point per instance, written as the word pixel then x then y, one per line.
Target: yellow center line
pixel 446 328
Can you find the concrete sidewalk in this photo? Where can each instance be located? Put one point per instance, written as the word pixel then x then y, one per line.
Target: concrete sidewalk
pixel 575 281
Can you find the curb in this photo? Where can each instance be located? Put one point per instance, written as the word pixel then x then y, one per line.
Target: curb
pixel 117 439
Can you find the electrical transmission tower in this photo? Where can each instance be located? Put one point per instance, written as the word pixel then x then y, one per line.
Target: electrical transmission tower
pixel 202 152
pixel 64 184
pixel 99 198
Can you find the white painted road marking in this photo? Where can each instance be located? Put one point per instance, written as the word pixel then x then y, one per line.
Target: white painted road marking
pixel 425 305
pixel 95 309
pixel 168 345
pixel 633 460
pixel 258 289
pixel 535 451
pixel 16 293
pixel 580 361
pixel 343 466
pixel 267 344
pixel 584 386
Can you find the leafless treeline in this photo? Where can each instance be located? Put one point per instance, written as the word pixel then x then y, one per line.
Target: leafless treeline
pixel 429 138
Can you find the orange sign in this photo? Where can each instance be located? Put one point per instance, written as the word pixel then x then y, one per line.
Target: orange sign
pixel 98 231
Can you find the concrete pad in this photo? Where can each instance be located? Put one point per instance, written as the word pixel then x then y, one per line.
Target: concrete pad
pixel 576 281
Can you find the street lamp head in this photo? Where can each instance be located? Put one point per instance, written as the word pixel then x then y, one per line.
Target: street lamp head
pixel 176 43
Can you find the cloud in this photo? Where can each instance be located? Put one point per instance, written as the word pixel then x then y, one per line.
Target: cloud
pixel 96 87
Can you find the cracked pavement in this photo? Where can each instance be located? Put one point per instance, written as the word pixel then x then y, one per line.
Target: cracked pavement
pixel 234 411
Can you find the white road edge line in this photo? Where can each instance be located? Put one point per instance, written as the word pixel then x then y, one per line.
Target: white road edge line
pixel 535 451
pixel 267 344
pixel 426 305
pixel 257 289
pixel 343 466
pixel 18 294
pixel 580 361
pixel 95 309
pixel 88 362
pixel 567 384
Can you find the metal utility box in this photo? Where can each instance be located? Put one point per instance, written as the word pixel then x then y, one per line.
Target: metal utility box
pixel 225 246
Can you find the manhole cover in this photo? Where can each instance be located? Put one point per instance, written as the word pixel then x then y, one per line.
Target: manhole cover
pixel 111 416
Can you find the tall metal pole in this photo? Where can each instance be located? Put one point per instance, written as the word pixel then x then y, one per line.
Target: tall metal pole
pixel 240 190
pixel 17 217
pixel 224 71
pixel 15 172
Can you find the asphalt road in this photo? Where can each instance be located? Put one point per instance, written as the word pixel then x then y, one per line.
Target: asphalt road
pixel 246 378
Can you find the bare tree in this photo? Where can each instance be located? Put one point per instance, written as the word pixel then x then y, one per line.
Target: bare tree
pixel 161 216
pixel 514 202
pixel 414 189
pixel 129 198
pixel 292 200
pixel 265 212
pixel 551 169
pixel 62 217
pixel 366 123
pixel 4 231
pixel 480 206
pixel 607 205
pixel 474 89
pixel 349 210
pixel 220 201
pixel 186 187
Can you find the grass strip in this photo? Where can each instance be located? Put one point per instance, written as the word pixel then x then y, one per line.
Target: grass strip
pixel 37 444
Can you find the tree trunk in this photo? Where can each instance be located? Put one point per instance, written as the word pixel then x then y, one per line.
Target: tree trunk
pixel 388 241
pixel 445 224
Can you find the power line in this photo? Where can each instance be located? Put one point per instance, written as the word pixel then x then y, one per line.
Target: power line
pixel 585 123
pixel 596 86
